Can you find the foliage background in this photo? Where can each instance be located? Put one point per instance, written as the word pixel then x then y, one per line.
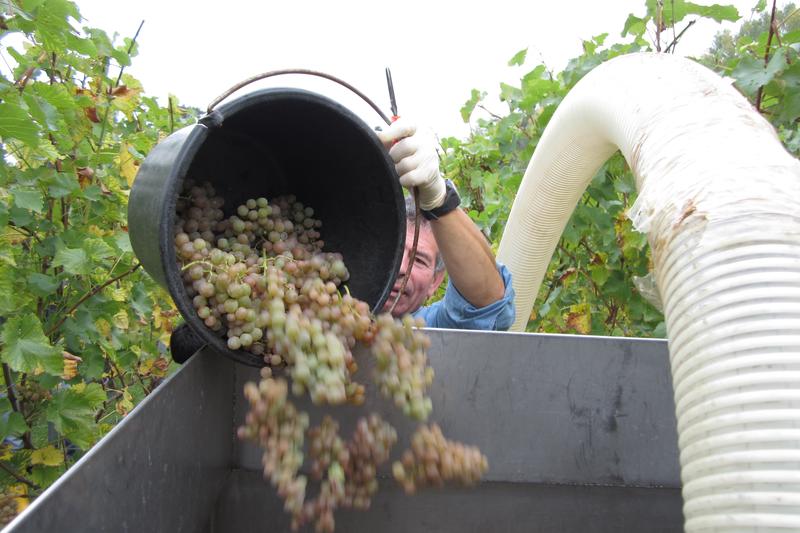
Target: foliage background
pixel 599 273
pixel 82 327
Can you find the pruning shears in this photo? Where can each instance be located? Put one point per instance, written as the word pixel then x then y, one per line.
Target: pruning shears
pixel 392 100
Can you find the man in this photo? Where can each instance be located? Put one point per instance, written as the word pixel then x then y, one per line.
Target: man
pixel 479 294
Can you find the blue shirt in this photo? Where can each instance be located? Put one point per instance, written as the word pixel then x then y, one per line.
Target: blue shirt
pixel 455 312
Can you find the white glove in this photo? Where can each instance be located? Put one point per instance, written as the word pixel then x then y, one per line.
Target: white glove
pixel 416 161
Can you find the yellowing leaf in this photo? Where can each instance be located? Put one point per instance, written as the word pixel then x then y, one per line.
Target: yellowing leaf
pixel 103 326
pixel 5 452
pixel 125 404
pixel 579 318
pixel 48 456
pixel 119 294
pixel 121 320
pixel 98 232
pixel 128 165
pixel 146 367
pixel 70 369
pixel 18 489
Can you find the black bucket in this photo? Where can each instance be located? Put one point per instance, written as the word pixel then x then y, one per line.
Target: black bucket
pixel 268 143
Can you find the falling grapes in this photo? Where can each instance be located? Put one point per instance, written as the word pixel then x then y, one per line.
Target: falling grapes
pixel 260 279
pixel 434 460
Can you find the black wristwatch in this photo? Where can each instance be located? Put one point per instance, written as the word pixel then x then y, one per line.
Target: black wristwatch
pixel 451 201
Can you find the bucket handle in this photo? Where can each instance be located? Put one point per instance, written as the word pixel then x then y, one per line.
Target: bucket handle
pixel 308 72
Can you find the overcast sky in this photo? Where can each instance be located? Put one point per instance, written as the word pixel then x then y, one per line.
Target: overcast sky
pixel 437 49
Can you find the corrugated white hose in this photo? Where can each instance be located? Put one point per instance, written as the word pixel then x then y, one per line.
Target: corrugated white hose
pixel 720 200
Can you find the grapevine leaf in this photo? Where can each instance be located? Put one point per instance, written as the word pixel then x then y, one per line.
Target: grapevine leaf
pixel 123 241
pixel 63 185
pixel 96 249
pixel 17 124
pixel 53 23
pixel 519 58
pixel 14 297
pixel 750 73
pixel 81 45
pixel 72 411
pixel 43 111
pixel 48 456
pixel 12 424
pixel 4 215
pixel 42 285
pixel 675 11
pixel 634 26
pixel 28 198
pixel 25 346
pixel 74 261
pixel 475 97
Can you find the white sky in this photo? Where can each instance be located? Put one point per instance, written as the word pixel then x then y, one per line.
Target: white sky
pixel 437 49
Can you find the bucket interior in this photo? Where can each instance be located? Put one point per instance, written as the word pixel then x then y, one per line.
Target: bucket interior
pixel 288 141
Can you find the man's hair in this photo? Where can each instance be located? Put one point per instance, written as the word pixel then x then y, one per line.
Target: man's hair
pixel 424 225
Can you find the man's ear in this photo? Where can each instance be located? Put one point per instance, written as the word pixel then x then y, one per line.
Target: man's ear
pixel 438 277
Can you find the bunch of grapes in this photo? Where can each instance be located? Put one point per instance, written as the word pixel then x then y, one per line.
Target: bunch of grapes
pixel 434 460
pixel 401 364
pixel 275 423
pixel 350 469
pixel 369 448
pixel 261 280
pixel 8 508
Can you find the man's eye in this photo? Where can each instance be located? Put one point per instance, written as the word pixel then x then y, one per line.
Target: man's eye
pixel 420 261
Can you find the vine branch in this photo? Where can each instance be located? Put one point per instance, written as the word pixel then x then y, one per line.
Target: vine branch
pixel 760 93
pixel 18 477
pixel 88 295
pixel 14 401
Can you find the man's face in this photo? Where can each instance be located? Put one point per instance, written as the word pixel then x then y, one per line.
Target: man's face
pixel 424 280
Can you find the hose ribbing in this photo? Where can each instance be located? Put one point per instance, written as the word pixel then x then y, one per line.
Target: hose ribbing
pixel 720 200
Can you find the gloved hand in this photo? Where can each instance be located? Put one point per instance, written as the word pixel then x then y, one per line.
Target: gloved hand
pixel 416 161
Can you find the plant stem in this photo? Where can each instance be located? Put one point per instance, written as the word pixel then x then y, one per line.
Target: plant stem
pixel 88 295
pixel 760 93
pixel 108 99
pixel 19 477
pixel 171 115
pixel 674 42
pixel 14 401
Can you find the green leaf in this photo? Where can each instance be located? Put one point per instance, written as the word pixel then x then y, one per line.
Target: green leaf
pixel 634 26
pixel 675 11
pixel 96 249
pixel 74 261
pixel 123 241
pixel 518 59
pixel 20 217
pixel 28 198
pixel 72 412
pixel 45 475
pixel 4 215
pixel 469 106
pixel 751 73
pixel 81 45
pixel 64 185
pixel 17 124
pixel 43 111
pixel 42 285
pixel 25 346
pixel 12 290
pixel 12 424
pixel 55 95
pixel 53 23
